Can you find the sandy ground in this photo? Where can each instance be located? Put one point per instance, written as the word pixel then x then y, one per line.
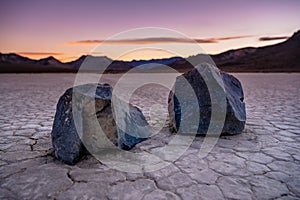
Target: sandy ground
pixel 261 163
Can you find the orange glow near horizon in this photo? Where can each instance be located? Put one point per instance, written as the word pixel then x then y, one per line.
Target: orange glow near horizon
pixel 140 54
pixel 38 55
pixel 59 56
pixel 145 54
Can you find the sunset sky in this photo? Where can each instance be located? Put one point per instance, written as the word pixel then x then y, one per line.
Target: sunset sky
pixel 68 29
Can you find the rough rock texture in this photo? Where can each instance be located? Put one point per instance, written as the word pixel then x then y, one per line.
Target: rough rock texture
pixel 92 101
pixel 66 142
pixel 127 141
pixel 183 107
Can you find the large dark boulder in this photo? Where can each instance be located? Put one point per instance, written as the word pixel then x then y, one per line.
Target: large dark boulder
pixel 91 108
pixel 65 140
pixel 184 108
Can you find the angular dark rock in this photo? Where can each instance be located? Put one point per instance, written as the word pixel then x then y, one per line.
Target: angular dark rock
pixel 89 106
pixel 186 109
pixel 127 141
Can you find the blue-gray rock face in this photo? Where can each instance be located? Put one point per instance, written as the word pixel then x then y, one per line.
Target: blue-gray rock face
pixel 187 108
pixel 127 141
pixel 65 140
pixel 90 106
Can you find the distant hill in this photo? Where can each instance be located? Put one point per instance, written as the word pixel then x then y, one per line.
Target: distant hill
pixel 281 57
pixel 98 63
pixel 13 63
pixel 149 64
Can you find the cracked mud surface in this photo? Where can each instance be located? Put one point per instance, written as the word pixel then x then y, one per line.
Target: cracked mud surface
pixel 261 163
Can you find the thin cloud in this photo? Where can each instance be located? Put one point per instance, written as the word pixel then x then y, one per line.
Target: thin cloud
pixel 85 42
pixel 263 39
pixel 232 37
pixel 219 39
pixel 40 53
pixel 157 40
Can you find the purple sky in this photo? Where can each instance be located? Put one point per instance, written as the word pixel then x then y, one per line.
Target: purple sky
pixel 39 28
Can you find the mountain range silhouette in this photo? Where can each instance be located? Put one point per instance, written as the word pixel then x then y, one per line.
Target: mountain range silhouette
pixel 281 57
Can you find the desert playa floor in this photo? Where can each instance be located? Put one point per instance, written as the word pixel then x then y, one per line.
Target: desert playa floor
pixel 261 163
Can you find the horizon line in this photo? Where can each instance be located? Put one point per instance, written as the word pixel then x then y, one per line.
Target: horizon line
pixel 53 54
